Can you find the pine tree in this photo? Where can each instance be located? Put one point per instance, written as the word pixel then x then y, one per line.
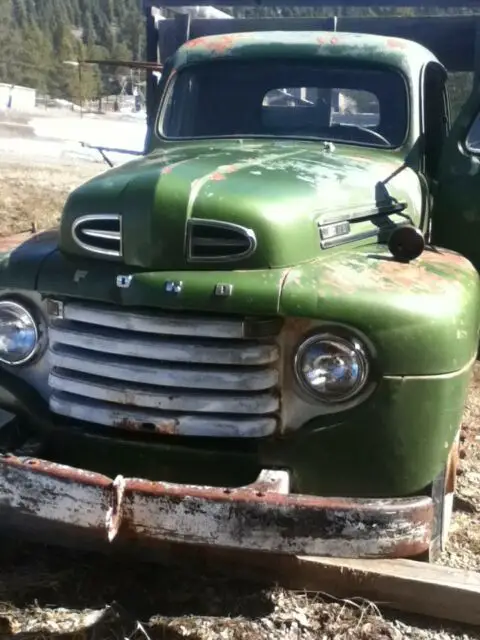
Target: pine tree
pixel 89 35
pixel 33 58
pixel 7 42
pixel 64 76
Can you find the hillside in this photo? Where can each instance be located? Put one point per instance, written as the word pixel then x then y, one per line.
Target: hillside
pixel 37 36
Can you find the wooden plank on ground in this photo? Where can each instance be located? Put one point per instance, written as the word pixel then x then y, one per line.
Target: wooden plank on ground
pixel 405 585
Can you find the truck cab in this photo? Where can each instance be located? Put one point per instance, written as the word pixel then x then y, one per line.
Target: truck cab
pixel 246 338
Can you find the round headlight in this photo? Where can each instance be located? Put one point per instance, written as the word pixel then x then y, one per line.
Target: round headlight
pixel 18 333
pixel 332 368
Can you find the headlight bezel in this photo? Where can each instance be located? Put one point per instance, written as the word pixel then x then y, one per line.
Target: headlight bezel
pixel 38 325
pixel 346 337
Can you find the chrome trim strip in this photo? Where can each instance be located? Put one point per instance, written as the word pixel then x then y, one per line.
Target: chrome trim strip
pixel 104 235
pixel 98 217
pixel 248 234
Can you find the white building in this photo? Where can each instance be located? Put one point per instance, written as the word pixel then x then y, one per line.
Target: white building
pixel 17 98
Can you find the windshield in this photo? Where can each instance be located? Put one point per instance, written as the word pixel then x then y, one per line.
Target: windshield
pixel 287 98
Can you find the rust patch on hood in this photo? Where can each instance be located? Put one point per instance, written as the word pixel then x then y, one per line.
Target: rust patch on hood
pixel 219 44
pixel 435 272
pixel 170 167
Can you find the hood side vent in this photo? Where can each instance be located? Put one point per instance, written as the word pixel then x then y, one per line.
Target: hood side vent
pixel 215 241
pixel 99 233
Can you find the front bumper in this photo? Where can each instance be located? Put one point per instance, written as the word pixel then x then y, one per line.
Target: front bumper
pixel 58 503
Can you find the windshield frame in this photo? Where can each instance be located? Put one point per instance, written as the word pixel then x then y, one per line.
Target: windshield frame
pixel 342 63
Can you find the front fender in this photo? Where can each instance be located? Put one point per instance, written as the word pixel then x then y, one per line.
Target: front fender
pixel 422 317
pixel 19 267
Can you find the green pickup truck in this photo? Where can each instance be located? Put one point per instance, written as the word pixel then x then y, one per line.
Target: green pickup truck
pixel 260 334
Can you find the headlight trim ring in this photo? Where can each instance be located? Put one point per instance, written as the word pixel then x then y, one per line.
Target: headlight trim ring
pixel 346 339
pixel 22 309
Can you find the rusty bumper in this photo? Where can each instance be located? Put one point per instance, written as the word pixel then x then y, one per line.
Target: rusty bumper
pixel 40 496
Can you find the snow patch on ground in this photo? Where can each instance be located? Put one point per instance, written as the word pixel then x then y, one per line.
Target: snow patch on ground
pixel 123 134
pixel 61 138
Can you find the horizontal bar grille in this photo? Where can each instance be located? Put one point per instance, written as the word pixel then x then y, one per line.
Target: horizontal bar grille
pixel 176 374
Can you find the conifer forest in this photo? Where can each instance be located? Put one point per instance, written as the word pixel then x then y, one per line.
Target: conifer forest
pixel 37 37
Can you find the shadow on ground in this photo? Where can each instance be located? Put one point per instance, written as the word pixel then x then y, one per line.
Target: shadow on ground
pixel 34 578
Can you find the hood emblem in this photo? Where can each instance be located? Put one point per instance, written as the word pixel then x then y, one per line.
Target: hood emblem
pixel 123 282
pixel 174 286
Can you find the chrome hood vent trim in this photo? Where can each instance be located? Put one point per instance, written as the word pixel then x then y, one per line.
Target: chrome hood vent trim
pixel 99 233
pixel 216 241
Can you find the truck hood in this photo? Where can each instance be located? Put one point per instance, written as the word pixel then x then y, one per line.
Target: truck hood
pixel 174 204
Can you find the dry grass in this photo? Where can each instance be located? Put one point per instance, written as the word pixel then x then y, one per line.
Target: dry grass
pixel 46 592
pixel 36 196
pixel 64 594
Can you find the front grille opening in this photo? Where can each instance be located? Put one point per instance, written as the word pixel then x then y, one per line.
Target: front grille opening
pixel 211 240
pixel 99 234
pixel 161 461
pixel 117 367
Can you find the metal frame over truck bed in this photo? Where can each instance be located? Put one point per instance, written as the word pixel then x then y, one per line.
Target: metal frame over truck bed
pixel 455 39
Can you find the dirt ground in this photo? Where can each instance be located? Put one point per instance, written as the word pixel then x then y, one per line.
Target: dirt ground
pixel 66 594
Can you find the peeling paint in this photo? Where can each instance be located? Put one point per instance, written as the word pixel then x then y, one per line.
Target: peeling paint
pixel 352 45
pixel 433 273
pixel 261 516
pixel 216 44
pixel 113 519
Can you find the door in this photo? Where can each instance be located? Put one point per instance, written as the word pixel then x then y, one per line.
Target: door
pixel 456 204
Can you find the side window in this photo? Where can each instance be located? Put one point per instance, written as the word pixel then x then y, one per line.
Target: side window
pixel 344 106
pixel 435 113
pixel 473 138
pixel 351 106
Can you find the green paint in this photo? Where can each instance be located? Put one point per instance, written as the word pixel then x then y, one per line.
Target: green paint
pixel 393 445
pixel 256 184
pixel 422 319
pixel 348 47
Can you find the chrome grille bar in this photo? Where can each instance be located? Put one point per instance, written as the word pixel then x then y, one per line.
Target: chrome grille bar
pixel 162 423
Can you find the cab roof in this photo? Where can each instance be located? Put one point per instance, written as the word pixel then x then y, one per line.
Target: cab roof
pixel 398 52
